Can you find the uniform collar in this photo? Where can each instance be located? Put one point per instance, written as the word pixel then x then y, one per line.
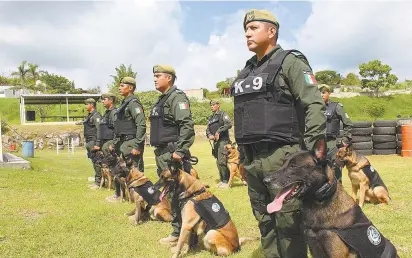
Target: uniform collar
pixel 253 61
pixel 94 111
pixel 128 97
pixel 169 90
pixel 217 112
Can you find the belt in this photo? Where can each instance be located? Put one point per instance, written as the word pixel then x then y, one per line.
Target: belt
pixel 263 147
pixel 126 137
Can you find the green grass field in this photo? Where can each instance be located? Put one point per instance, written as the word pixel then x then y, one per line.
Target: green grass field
pixel 50 212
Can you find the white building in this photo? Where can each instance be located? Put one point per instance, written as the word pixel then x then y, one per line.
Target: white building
pixel 9 92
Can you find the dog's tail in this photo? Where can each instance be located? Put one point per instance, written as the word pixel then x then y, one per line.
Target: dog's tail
pixel 244 240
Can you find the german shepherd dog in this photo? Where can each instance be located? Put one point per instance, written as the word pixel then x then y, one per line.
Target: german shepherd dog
pixel 363 177
pixel 219 236
pixel 233 163
pixel 146 198
pixel 104 162
pixel 335 225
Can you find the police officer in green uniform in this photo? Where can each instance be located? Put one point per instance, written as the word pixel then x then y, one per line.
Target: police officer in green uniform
pixel 334 114
pixel 171 132
pixel 130 129
pixel 107 123
pixel 91 136
pixel 273 94
pixel 218 131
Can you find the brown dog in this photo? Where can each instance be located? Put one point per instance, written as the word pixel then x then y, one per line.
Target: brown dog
pixel 219 235
pixel 106 175
pixel 146 198
pixel 233 164
pixel 334 224
pixel 363 177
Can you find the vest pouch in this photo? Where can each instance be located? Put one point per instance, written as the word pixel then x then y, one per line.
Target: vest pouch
pixel 259 118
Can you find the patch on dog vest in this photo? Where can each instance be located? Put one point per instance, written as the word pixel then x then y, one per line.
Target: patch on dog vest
pixel 211 210
pixel 149 193
pixel 374 178
pixel 365 238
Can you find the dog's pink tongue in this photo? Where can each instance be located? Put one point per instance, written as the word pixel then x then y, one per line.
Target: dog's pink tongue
pixel 277 203
pixel 162 195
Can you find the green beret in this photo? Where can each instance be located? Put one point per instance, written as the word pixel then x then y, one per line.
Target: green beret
pixel 323 87
pixel 89 100
pixel 214 101
pixel 129 80
pixel 109 96
pixel 164 69
pixel 259 15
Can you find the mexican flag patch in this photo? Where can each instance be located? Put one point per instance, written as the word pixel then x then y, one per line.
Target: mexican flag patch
pixel 138 110
pixel 309 78
pixel 183 105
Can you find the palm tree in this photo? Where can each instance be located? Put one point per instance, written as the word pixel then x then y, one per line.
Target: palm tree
pixel 121 72
pixel 21 72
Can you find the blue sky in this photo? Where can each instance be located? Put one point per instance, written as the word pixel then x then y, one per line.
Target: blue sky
pixel 202 18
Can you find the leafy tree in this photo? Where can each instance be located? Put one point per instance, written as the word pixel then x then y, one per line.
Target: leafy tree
pixel 329 77
pixel 21 72
pixel 351 80
pixel 121 72
pixel 376 75
pixel 57 84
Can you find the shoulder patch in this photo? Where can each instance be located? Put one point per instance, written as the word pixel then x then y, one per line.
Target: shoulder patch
pixel 98 120
pixel 226 117
pixel 138 110
pixel 346 115
pixel 309 77
pixel 183 105
pixel 340 104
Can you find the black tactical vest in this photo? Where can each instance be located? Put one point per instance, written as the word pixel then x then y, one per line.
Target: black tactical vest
pixel 262 111
pixel 90 130
pixel 149 193
pixel 161 131
pixel 107 126
pixel 213 212
pixel 374 178
pixel 332 120
pixel 214 123
pixel 365 238
pixel 122 125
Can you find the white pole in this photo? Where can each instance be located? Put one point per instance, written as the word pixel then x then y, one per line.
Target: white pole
pixel 57 146
pixel 1 144
pixel 68 147
pixel 72 146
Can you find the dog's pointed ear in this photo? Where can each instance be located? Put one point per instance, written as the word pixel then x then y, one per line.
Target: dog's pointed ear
pixel 234 144
pixel 319 149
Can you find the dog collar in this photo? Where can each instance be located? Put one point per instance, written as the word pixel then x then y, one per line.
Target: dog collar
pixel 326 190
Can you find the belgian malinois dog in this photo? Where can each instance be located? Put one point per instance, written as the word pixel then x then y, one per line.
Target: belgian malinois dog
pixel 363 177
pixel 233 164
pixel 335 225
pixel 146 198
pixel 104 163
pixel 219 235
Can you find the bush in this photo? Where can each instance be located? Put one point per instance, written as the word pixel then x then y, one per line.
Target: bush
pixel 375 110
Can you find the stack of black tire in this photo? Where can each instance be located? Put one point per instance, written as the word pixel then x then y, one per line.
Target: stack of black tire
pixel 384 137
pixel 362 137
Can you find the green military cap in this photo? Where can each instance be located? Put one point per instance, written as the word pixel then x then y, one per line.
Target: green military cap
pixel 89 100
pixel 214 101
pixel 109 96
pixel 259 15
pixel 164 69
pixel 129 80
pixel 323 87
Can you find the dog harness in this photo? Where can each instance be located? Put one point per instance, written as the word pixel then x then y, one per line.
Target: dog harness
pixel 374 178
pixel 149 193
pixel 365 238
pixel 211 210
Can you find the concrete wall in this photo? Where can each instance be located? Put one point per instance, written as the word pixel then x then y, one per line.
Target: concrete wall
pixel 195 93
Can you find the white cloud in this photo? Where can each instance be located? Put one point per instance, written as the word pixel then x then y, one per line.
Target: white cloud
pixel 87 45
pixel 341 35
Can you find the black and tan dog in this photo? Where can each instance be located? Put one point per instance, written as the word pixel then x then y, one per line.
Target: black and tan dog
pixel 146 198
pixel 233 164
pixel 335 225
pixel 104 162
pixel 363 177
pixel 202 213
